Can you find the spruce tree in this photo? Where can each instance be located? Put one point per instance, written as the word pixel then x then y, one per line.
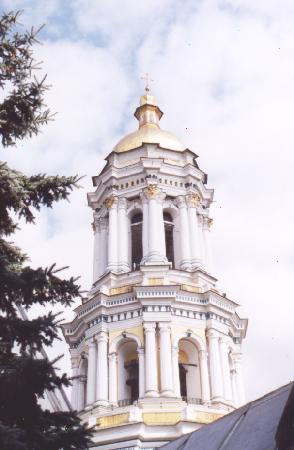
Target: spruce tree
pixel 24 374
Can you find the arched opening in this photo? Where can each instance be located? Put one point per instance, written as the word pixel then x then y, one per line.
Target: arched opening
pixel 189 372
pixel 136 239
pixel 169 237
pixel 82 395
pixel 128 373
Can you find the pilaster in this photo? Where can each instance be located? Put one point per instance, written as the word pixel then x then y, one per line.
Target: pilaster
pixel 151 371
pixel 165 360
pixel 91 376
pixel 185 263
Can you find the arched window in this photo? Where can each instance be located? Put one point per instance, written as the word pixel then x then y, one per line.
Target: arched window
pixel 169 236
pixel 128 373
pixel 189 372
pixel 136 237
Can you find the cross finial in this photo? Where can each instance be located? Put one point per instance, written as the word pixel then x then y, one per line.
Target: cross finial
pixel 148 79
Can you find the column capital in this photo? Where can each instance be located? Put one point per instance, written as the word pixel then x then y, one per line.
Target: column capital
pixel 122 203
pixel 149 327
pixel 223 340
pixel 74 362
pixel 111 202
pixel 99 223
pixel 212 334
pixel 144 198
pixel 91 343
pixel 207 222
pixel 102 337
pixel 152 192
pixel 164 326
pixel 141 351
pixel 193 200
pixel 236 357
pixel 181 201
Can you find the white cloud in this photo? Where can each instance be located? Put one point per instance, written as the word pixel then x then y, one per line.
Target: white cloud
pixel 223 75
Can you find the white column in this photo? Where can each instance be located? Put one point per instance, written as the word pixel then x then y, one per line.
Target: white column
pixel 215 366
pixel 75 384
pixel 224 350
pixel 184 234
pixel 91 377
pixel 103 223
pixel 192 202
pixel 81 395
pixel 205 388
pixel 123 235
pixel 141 356
pixel 156 237
pixel 145 227
pixel 176 371
pixel 207 222
pixel 102 369
pixel 96 253
pixel 234 388
pixel 151 371
pixel 165 360
pixel 161 229
pixel 113 378
pixel 237 358
pixel 111 204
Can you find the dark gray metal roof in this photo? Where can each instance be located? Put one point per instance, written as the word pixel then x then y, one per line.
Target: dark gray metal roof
pixel 252 427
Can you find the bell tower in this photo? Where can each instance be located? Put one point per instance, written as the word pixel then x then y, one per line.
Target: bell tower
pixel 156 345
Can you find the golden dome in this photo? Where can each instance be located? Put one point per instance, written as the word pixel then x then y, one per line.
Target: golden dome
pixel 149 132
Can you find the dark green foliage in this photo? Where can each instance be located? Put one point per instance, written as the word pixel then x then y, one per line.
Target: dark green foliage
pixel 24 374
pixel 22 110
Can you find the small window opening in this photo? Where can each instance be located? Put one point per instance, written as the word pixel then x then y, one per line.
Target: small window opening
pixel 136 236
pixel 169 236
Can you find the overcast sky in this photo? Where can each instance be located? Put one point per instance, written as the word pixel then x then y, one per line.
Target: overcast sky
pixel 223 74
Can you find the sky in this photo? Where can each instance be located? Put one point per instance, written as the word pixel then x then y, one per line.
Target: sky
pixel 223 74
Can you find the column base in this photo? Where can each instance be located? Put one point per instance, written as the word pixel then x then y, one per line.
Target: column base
pixel 112 267
pixel 154 258
pixel 88 407
pixel 167 394
pixel 186 265
pixel 123 267
pixel 196 264
pixel 151 394
pixel 101 403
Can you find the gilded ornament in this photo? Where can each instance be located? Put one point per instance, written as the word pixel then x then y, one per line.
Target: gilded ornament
pixel 161 418
pixel 209 222
pixel 152 191
pixel 113 421
pixel 193 199
pixel 108 202
pixel 205 417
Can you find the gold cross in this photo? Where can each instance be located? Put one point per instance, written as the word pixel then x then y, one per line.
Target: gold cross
pixel 148 79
